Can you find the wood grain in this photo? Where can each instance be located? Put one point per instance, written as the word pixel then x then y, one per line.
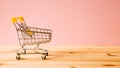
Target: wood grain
pixel 63 57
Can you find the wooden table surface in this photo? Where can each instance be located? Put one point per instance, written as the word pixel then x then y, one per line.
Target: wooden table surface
pixel 64 56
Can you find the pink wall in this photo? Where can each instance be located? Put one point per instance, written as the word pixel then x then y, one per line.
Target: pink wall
pixel 88 22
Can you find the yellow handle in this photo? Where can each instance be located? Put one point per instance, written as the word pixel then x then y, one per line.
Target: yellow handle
pixel 21 19
pixel 14 20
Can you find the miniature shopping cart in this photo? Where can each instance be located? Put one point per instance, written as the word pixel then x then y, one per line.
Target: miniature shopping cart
pixel 31 36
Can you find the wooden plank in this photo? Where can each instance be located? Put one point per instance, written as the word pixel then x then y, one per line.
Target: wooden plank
pixel 64 57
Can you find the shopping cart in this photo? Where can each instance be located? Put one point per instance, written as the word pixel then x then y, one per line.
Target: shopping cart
pixel 31 36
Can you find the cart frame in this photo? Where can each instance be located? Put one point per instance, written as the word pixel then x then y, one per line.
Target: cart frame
pixel 28 36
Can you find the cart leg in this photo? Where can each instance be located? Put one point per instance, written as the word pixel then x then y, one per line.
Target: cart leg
pixel 43 57
pixel 24 51
pixel 46 52
pixel 18 56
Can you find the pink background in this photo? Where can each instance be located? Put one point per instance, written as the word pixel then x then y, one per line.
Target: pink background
pixel 74 22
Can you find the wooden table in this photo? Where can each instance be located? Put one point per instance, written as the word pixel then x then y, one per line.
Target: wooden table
pixel 64 56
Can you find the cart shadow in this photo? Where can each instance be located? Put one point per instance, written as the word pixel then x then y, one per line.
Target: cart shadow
pixel 51 57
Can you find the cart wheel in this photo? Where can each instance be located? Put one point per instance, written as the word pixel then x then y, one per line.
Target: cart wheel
pixel 18 57
pixel 43 57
